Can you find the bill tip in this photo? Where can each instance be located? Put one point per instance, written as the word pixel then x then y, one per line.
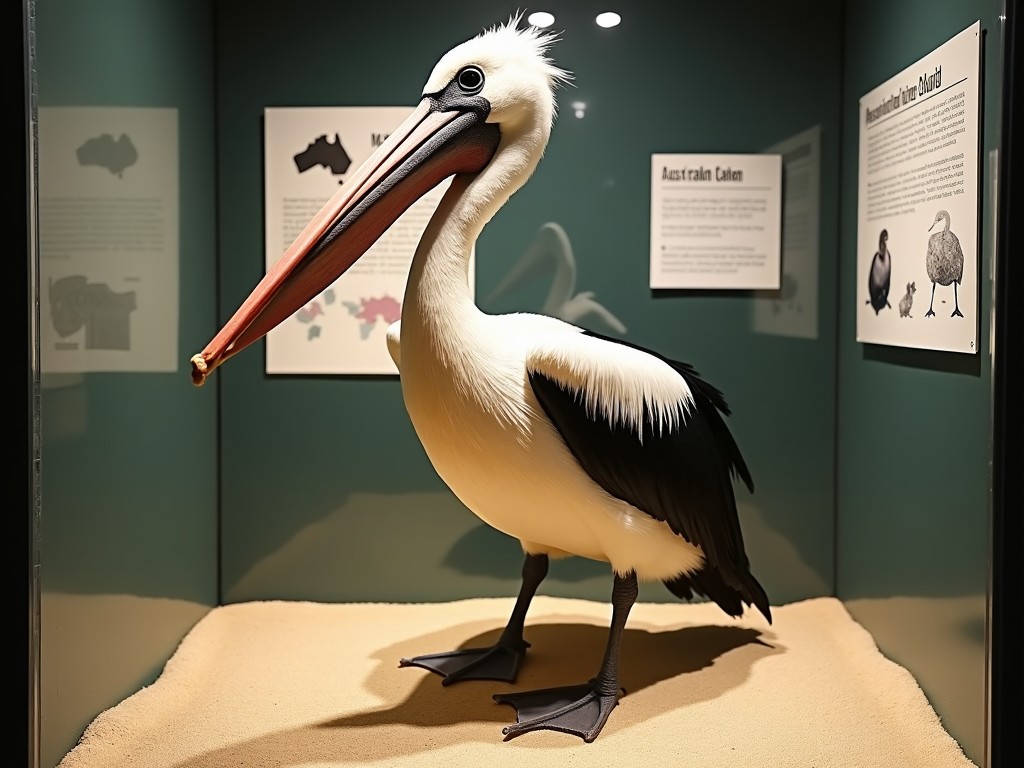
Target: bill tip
pixel 199 370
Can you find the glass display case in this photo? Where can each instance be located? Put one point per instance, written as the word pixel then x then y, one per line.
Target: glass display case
pixel 881 474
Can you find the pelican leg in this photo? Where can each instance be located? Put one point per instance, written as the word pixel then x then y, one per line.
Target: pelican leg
pixel 956 303
pixel 581 710
pixel 931 312
pixel 500 661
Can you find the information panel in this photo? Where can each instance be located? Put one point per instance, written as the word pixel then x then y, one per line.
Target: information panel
pixel 917 217
pixel 716 221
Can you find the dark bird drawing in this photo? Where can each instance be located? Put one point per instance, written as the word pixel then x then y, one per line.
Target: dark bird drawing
pixel 880 274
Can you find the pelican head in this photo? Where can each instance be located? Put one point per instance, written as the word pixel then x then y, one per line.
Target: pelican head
pixel 489 103
pixel 508 67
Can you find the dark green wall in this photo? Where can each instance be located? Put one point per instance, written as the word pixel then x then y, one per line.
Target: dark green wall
pixel 327 493
pixel 129 495
pixel 913 425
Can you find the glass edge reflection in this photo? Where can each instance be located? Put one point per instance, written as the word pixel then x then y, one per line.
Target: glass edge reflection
pixel 29 111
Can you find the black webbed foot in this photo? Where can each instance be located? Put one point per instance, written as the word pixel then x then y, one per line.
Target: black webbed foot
pixel 498 662
pixel 581 710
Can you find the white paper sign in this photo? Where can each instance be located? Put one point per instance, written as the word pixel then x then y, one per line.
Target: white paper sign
pixel 309 151
pixel 108 239
pixel 917 217
pixel 715 221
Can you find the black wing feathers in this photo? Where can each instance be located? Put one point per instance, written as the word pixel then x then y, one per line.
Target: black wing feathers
pixel 682 476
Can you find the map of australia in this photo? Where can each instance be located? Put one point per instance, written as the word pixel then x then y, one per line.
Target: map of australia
pixel 328 154
pixel 106 152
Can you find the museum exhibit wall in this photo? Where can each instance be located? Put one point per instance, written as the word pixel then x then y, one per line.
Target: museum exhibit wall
pixel 128 539
pixel 914 425
pixel 327 494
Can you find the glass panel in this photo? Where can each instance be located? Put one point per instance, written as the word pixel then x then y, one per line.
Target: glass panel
pixel 160 501
pixel 126 215
pixel 913 426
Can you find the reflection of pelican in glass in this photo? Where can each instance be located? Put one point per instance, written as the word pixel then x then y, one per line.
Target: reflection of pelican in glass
pixel 945 262
pixel 551 249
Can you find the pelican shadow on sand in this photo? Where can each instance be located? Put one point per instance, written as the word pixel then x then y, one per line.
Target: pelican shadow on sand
pixel 723 655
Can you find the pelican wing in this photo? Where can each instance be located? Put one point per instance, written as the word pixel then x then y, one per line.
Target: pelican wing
pixel 651 432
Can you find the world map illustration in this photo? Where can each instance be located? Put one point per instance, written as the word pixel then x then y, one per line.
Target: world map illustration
pixel 370 313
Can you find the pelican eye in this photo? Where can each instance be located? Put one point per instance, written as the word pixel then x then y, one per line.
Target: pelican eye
pixel 470 79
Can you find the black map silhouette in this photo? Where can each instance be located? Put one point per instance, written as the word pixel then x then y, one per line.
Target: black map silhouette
pixel 107 153
pixel 75 302
pixel 329 154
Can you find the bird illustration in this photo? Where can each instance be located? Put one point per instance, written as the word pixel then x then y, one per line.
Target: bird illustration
pixel 944 262
pixel 551 249
pixel 908 300
pixel 880 274
pixel 574 443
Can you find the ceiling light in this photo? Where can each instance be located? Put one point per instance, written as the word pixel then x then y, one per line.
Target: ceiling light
pixel 608 19
pixel 541 19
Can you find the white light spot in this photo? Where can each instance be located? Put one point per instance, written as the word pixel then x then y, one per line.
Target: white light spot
pixel 608 19
pixel 541 19
pixel 579 108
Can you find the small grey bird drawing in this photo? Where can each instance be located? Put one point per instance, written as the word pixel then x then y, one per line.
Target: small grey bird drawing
pixel 944 262
pixel 878 277
pixel 908 300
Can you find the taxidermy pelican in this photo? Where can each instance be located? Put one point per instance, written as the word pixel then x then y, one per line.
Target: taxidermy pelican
pixel 551 248
pixel 944 262
pixel 571 442
pixel 880 275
